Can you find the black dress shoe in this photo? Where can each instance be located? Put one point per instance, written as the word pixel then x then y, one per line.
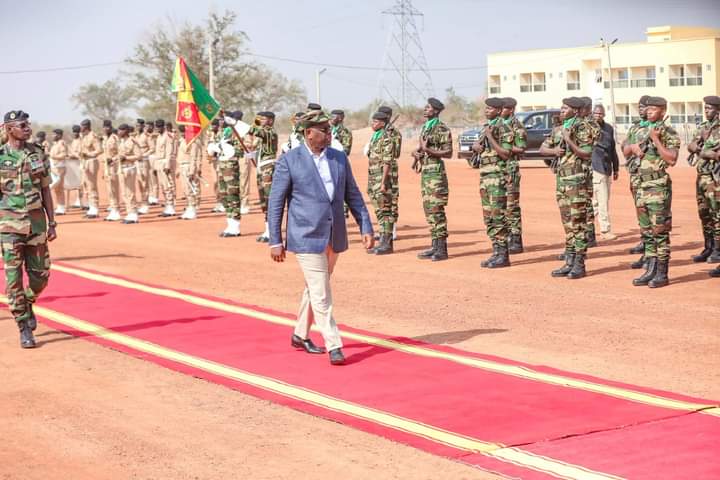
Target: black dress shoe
pixel 306 345
pixel 337 357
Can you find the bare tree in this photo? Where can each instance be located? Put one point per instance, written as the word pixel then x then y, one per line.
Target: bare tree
pixel 105 101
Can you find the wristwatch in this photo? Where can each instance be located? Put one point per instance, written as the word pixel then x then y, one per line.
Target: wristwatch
pixel 52 224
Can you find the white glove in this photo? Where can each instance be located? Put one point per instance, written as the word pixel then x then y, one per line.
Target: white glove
pixel 366 149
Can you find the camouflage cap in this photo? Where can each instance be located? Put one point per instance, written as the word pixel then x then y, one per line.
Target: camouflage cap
pixel 509 102
pixel 713 100
pixel 314 118
pixel 436 104
pixel 16 116
pixel 643 100
pixel 494 102
pixel 386 110
pixel 656 102
pixel 573 102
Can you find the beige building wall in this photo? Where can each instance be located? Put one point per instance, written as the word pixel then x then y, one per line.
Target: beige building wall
pixel 678 63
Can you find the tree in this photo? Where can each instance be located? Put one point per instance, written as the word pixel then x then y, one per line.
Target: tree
pixel 104 101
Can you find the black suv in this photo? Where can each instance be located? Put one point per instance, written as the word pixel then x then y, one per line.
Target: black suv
pixel 538 124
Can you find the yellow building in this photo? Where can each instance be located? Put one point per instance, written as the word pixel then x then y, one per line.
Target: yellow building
pixel 678 63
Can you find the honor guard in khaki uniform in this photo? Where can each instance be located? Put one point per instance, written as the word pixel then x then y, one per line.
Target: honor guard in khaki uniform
pixel 27 221
pixel 111 170
pixel 128 156
pixel 142 138
pixel 188 159
pixel 160 161
pixel 58 156
pixel 89 153
pixel 74 157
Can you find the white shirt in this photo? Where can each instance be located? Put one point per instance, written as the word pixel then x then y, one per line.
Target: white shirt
pixel 323 167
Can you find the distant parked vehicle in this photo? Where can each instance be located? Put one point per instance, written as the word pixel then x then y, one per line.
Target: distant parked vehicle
pixel 538 124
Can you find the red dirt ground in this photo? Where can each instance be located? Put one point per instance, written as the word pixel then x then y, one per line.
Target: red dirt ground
pixel 72 409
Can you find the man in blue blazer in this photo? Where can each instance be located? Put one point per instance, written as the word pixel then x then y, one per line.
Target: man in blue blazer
pixel 315 180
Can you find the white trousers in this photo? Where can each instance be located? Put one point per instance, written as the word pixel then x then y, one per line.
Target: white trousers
pixel 317 304
pixel 601 200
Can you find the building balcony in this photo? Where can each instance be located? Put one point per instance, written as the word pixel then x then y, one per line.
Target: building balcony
pixel 494 89
pixel 616 84
pixel 685 81
pixel 526 88
pixel 642 83
pixel 539 88
pixel 573 85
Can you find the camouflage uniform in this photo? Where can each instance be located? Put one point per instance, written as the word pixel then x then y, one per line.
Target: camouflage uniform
pixel 654 197
pixel 494 183
pixel 572 187
pixel 380 155
pixel 267 154
pixel 707 190
pixel 595 127
pixel 514 214
pixel 229 178
pixel 23 226
pixel 433 178
pixel 396 136
pixel 344 136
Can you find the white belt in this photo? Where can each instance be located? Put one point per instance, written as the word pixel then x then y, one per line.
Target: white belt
pixel 267 161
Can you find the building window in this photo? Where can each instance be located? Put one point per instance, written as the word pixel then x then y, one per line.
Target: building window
pixel 550 75
pixel 526 82
pixel 694 112
pixel 662 69
pixel 494 84
pixel 619 78
pixel 538 82
pixel 623 113
pixel 573 80
pixel 514 77
pixel 694 75
pixel 708 68
pixel 676 110
pixel 505 77
pixel 642 77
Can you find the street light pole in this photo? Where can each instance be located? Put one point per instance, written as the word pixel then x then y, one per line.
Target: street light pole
pixel 612 88
pixel 317 84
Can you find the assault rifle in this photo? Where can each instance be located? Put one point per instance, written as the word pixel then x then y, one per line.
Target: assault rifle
pixel 693 158
pixel 555 163
pixel 482 137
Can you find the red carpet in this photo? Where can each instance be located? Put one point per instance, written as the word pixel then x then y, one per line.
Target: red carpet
pixel 440 405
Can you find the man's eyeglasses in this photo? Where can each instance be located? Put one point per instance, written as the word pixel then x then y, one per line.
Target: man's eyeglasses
pixel 20 125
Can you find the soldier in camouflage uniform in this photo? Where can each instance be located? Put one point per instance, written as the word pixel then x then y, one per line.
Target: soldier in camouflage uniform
pixel 394 173
pixel 27 222
pixel 495 148
pixel 229 180
pixel 296 136
pixel 212 135
pixel 572 144
pixel 514 214
pixel 586 114
pixel 707 190
pixel 341 135
pixel 637 133
pixel 435 145
pixel 704 147
pixel 654 195
pixel 380 160
pixel 266 156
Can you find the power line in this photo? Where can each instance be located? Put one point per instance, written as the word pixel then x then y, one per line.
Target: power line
pixel 58 69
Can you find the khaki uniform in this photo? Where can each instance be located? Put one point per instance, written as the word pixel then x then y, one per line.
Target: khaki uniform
pixel 188 159
pixel 163 161
pixel 246 171
pixel 144 142
pixel 58 155
pixel 130 155
pixel 74 156
pixel 153 183
pixel 89 152
pixel 111 166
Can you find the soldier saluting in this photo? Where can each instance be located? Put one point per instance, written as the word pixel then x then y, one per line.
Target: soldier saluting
pixel 27 221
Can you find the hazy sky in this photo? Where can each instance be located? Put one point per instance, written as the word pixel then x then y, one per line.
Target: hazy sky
pixel 454 33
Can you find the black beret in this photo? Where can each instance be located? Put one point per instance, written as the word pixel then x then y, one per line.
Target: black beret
pixel 267 114
pixel 509 102
pixel 337 112
pixel 314 106
pixel 16 115
pixel 380 116
pixel 436 104
pixel 124 126
pixel 215 122
pixel 494 102
pixel 140 121
pixel 107 123
pixel 656 102
pixel 85 123
pixel 237 114
pixel 181 128
pixel 587 101
pixel 40 134
pixel 76 128
pixel 58 131
pixel 573 102
pixel 712 100
pixel 386 110
pixel 643 100
pixel 299 114
pixel 159 122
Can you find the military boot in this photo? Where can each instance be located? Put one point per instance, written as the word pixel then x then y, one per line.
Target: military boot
pixel 561 256
pixel 565 269
pixel 32 321
pixel 502 259
pixel 578 268
pixel 27 339
pixel 650 271
pixel 706 251
pixel 515 244
pixel 427 254
pixel 639 248
pixel 661 277
pixel 441 250
pixel 488 260
pixel 591 239
pixel 715 273
pixel 380 242
pixel 715 255
pixel 639 263
pixel 386 245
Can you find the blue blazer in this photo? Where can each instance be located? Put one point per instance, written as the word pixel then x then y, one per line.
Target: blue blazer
pixel 314 220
